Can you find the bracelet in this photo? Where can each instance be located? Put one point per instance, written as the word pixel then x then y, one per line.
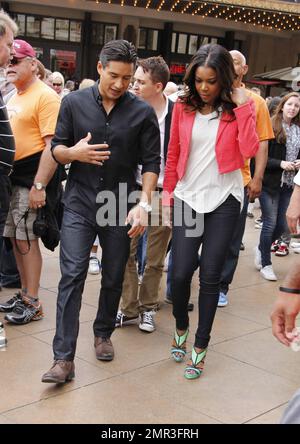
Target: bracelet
pixel 54 158
pixel 289 290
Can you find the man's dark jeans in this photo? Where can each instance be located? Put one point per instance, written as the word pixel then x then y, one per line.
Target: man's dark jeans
pixel 77 237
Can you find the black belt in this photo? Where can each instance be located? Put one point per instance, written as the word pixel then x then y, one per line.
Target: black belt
pixel 5 170
pixel 140 188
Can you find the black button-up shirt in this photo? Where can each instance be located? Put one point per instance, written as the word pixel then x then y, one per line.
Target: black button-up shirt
pixel 131 130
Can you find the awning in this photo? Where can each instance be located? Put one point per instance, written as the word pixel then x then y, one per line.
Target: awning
pixel 284 74
pixel 264 82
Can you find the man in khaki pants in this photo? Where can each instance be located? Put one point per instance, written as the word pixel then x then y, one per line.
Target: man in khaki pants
pixel 151 78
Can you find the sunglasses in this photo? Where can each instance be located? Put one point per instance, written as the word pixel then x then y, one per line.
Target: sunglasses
pixel 15 61
pixel 56 84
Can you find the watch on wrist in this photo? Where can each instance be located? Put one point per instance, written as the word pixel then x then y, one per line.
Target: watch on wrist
pixel 145 206
pixel 39 186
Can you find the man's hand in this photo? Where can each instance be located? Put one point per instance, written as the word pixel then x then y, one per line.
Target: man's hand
pixel 138 219
pixel 254 189
pixel 285 311
pixel 95 154
pixel 37 199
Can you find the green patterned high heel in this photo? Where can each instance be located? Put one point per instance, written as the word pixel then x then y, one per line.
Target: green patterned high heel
pixel 195 370
pixel 178 350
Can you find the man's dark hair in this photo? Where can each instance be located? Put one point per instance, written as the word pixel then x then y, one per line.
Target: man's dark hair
pixel 157 68
pixel 118 51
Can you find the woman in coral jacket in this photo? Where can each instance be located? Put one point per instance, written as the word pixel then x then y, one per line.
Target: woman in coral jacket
pixel 212 132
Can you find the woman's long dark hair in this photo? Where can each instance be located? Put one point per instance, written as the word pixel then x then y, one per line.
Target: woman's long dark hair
pixel 219 59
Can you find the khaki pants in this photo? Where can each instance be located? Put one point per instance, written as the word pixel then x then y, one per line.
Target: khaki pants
pixel 134 299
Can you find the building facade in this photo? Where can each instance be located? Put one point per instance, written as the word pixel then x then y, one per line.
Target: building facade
pixel 69 34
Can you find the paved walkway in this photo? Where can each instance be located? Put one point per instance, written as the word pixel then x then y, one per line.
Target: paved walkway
pixel 248 377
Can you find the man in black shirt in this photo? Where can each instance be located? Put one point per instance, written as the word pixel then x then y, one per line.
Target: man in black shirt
pixel 123 131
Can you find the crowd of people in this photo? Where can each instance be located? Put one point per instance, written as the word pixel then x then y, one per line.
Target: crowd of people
pixel 152 171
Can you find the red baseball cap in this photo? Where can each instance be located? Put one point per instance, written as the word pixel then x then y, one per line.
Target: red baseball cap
pixel 23 49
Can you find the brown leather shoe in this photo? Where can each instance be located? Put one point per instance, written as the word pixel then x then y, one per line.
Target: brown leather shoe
pixel 60 372
pixel 104 349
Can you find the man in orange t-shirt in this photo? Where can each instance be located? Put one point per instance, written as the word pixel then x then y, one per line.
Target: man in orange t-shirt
pixel 252 185
pixel 33 112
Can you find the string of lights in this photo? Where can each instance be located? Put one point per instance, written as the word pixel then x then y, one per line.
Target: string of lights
pixel 272 5
pixel 268 18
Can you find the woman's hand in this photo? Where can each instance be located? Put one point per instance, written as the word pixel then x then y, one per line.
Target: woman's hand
pixel 239 96
pixel 287 166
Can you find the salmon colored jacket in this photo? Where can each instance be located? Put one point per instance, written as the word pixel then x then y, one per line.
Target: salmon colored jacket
pixel 236 141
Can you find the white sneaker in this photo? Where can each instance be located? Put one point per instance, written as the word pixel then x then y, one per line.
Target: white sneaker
pixel 296 250
pixel 268 273
pixel 257 258
pixel 295 245
pixel 94 265
pixel 147 321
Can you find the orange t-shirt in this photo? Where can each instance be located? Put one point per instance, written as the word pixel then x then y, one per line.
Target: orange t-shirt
pixel 33 114
pixel 263 128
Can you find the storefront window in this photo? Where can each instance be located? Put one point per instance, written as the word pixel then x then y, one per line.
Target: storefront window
pixel 97 33
pixel 189 43
pixel 142 38
pixel 33 26
pixel 110 33
pixel 174 35
pixel 204 41
pixel 64 62
pixel 152 39
pixel 62 29
pixel 50 28
pixel 39 52
pixel 75 31
pixel 193 44
pixel 182 41
pixel 47 28
pixel 21 20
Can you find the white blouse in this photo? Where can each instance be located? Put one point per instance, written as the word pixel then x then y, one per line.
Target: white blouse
pixel 202 187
